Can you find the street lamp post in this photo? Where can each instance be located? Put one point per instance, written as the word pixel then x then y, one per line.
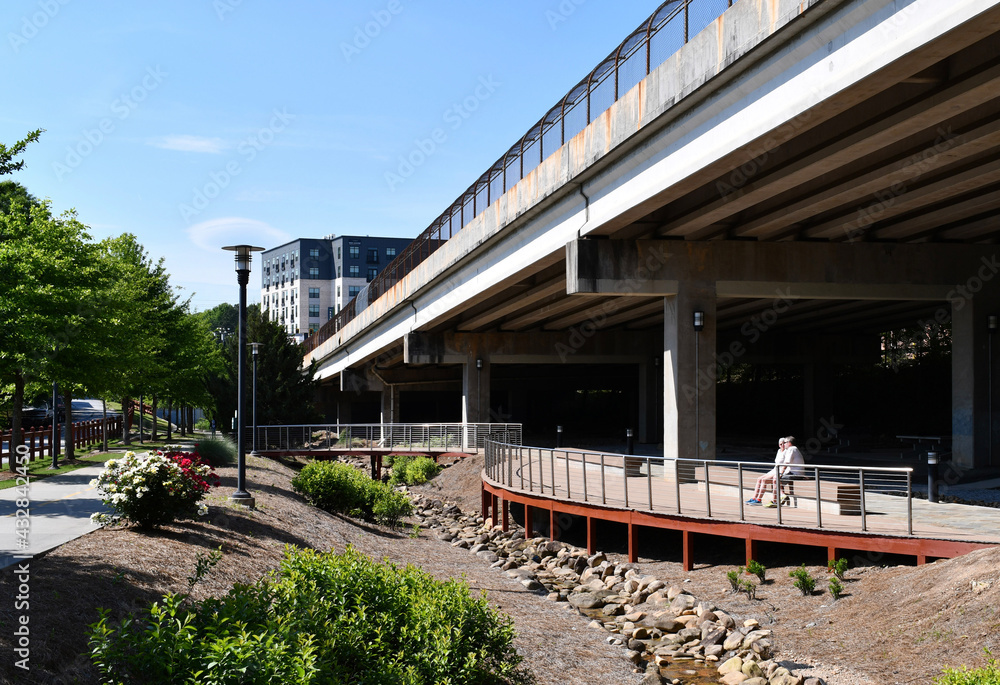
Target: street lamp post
pixel 244 256
pixel 256 347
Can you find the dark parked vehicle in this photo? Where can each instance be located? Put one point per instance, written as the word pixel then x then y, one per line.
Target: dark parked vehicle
pixel 40 415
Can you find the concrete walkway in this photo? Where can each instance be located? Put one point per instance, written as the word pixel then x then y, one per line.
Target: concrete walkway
pixel 59 509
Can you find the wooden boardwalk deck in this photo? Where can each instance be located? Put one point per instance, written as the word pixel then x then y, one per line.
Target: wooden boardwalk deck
pixel 598 487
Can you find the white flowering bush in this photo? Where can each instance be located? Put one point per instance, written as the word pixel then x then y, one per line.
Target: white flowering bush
pixel 150 489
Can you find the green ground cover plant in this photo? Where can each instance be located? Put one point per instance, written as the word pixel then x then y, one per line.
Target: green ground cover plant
pixel 220 451
pixel 758 569
pixel 343 489
pixel 987 675
pixel 324 618
pixel 803 581
pixel 411 469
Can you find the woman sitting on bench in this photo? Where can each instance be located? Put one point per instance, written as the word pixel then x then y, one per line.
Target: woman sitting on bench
pixel 789 460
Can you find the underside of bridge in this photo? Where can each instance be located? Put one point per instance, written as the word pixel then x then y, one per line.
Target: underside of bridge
pixel 799 243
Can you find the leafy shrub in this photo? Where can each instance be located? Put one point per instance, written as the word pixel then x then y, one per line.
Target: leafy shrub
pixel 325 618
pixel 734 579
pixel 342 488
pixel 749 587
pixel 151 489
pixel 837 567
pixel 803 581
pixel 219 451
pixel 203 424
pixel 411 469
pixel 757 568
pixel 987 675
pixel 836 588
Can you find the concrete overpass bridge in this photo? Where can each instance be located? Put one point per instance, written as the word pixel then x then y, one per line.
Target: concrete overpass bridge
pixel 800 176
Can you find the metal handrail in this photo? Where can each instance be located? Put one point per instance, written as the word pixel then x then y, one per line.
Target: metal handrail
pixel 662 33
pixel 505 464
pixel 410 437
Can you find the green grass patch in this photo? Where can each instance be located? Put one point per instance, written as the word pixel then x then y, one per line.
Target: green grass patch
pixel 39 470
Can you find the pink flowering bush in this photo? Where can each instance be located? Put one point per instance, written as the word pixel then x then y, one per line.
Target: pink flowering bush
pixel 151 489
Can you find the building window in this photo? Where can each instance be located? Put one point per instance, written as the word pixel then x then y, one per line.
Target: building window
pixel 313 272
pixel 329 313
pixel 338 252
pixel 354 270
pixel 338 271
pixel 372 255
pixel 314 311
pixel 390 252
pixel 313 253
pixel 372 273
pixel 354 251
pixel 353 290
pixel 313 293
pixel 338 292
pixel 313 327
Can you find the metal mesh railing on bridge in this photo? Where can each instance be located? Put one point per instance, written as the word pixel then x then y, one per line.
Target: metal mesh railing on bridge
pixel 402 437
pixel 646 48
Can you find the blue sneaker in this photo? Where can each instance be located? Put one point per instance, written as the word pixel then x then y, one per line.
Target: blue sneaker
pixel 753 502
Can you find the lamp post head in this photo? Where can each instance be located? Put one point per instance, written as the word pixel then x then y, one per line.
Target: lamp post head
pixel 244 255
pixel 699 320
pixel 991 323
pixel 256 346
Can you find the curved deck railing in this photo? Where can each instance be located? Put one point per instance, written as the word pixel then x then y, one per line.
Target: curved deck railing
pixel 864 499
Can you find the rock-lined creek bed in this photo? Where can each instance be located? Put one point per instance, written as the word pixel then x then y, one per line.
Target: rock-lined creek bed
pixel 667 632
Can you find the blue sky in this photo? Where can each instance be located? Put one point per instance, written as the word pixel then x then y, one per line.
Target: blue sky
pixel 197 124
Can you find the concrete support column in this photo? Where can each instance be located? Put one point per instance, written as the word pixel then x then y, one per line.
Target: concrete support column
pixel 649 403
pixel 689 371
pixel 475 395
pixel 390 404
pixel 974 384
pixel 476 389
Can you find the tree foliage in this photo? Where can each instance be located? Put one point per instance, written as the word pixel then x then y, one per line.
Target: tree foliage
pixel 285 391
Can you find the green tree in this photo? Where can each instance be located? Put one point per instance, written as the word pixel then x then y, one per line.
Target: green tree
pixel 7 154
pixel 285 390
pixel 46 296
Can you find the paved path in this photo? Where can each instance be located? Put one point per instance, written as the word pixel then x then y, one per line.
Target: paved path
pixel 59 509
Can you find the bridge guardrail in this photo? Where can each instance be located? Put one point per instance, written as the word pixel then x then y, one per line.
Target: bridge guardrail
pixel 698 487
pixel 403 437
pixel 647 47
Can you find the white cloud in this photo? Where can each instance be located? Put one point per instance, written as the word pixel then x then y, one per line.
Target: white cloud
pixel 212 235
pixel 190 144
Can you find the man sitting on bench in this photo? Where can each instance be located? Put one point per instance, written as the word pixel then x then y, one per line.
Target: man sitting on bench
pixel 789 460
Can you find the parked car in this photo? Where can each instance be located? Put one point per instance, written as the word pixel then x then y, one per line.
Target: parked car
pixel 41 415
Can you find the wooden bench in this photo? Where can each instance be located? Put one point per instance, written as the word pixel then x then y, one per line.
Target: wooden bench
pixel 834 498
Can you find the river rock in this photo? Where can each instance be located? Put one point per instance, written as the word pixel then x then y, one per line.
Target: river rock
pixel 731 665
pixel 585 600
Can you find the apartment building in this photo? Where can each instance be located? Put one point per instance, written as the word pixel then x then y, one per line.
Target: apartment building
pixel 306 281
